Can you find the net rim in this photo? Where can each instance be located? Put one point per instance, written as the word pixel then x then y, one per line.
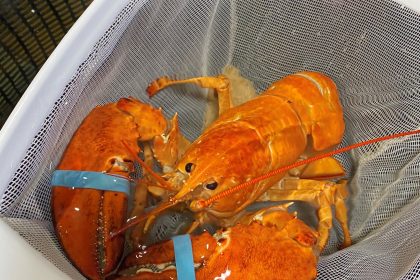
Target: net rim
pixel 16 135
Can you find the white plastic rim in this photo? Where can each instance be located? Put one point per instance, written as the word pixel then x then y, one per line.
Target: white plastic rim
pixel 18 260
pixel 37 101
pixel 412 4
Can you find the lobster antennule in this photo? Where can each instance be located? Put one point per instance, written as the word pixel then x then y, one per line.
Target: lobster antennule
pixel 136 220
pixel 199 204
pixel 159 179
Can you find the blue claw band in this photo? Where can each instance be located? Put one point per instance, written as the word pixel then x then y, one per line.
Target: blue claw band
pixel 90 180
pixel 183 257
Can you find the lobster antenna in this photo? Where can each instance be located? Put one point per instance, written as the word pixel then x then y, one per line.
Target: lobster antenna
pixel 158 178
pixel 205 203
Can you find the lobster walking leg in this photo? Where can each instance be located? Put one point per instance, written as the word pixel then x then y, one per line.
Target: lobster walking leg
pixel 219 83
pixel 322 195
pixel 341 212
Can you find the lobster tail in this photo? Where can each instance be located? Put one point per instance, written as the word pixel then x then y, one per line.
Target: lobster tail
pixel 314 97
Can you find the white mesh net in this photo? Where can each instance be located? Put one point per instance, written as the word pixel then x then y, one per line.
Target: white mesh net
pixel 369 48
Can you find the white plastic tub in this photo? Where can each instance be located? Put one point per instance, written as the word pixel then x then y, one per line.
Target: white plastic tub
pixel 34 132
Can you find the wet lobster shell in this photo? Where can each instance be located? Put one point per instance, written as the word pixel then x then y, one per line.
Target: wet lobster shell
pixel 283 249
pixel 84 218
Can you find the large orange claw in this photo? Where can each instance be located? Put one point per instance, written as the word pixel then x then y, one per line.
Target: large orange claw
pixel 267 249
pixel 84 218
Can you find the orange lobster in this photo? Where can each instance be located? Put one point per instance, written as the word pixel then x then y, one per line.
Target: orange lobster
pixel 296 116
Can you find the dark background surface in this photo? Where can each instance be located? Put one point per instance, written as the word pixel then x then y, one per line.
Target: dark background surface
pixel 29 32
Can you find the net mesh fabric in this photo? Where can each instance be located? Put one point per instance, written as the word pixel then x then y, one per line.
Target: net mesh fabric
pixel 369 49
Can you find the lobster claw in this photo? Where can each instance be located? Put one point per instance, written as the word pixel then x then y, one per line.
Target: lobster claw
pixel 277 244
pixel 83 220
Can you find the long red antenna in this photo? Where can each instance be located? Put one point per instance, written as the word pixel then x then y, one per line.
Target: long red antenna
pixel 206 203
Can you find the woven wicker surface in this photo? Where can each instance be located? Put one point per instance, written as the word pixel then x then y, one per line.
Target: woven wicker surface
pixel 29 32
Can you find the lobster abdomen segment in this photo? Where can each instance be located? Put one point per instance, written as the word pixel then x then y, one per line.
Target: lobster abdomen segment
pixel 315 99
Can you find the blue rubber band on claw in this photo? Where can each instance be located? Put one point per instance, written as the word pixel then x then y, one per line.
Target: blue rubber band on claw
pixel 90 180
pixel 183 257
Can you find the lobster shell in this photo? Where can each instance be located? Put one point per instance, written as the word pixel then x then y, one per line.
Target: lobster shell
pixel 84 218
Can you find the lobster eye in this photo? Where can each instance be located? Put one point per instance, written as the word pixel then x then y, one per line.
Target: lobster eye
pixel 189 167
pixel 211 186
